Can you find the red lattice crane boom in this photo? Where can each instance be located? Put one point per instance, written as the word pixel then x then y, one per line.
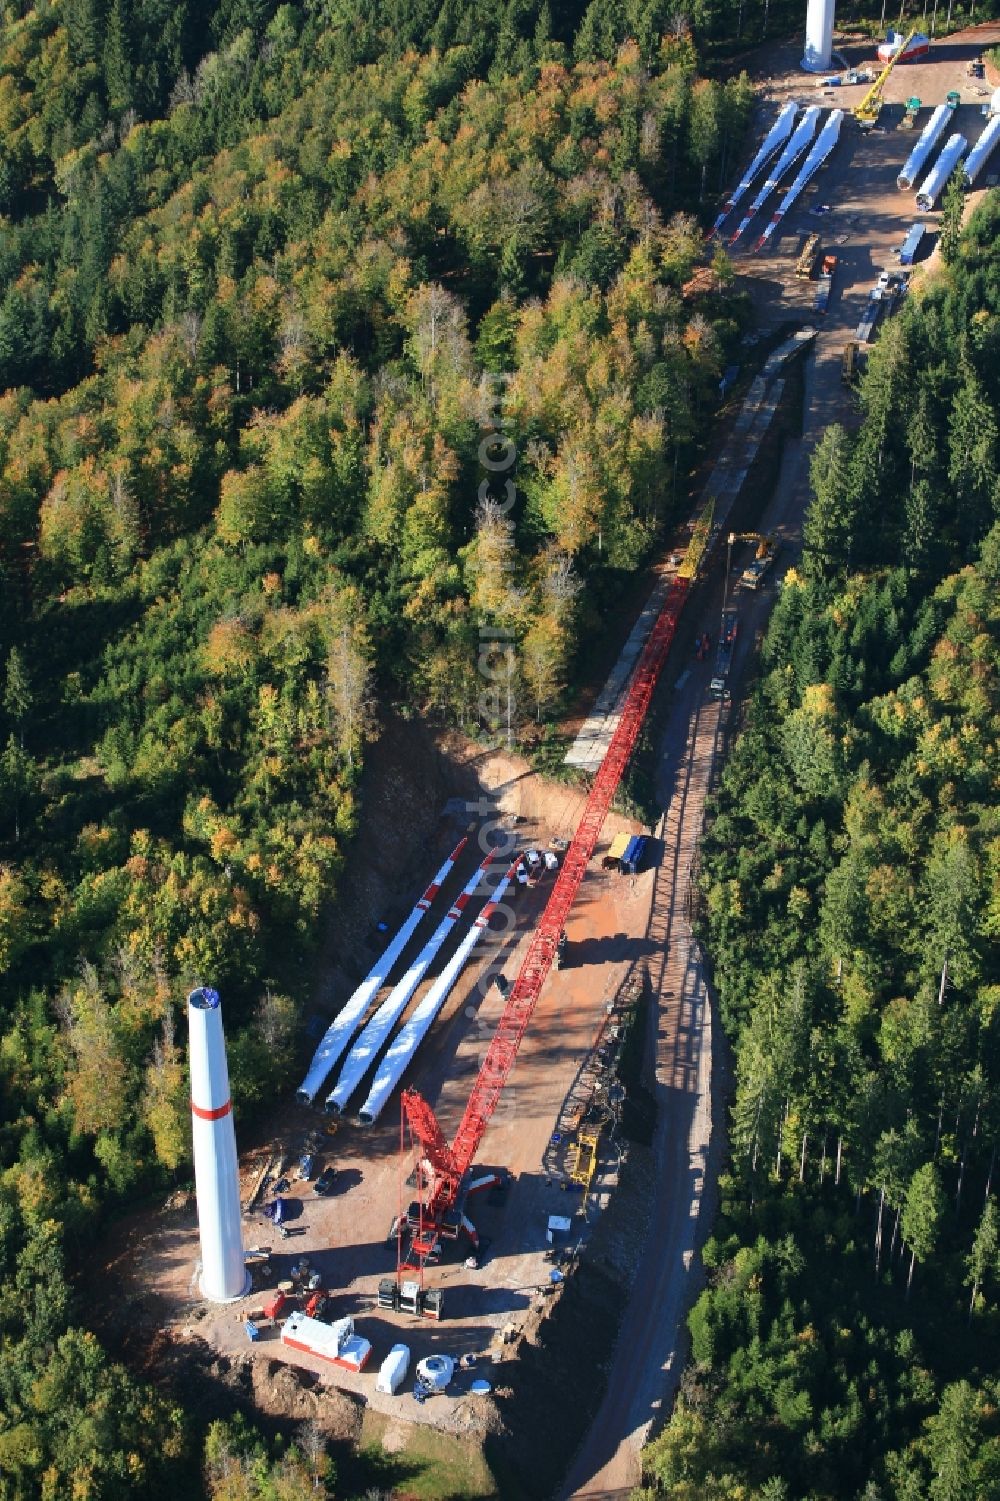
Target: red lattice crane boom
pixel 450 1164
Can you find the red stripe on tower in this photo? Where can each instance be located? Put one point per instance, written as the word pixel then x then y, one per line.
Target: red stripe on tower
pixel 211 1115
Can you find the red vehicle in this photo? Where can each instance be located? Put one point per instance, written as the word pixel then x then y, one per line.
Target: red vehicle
pixel 277 1303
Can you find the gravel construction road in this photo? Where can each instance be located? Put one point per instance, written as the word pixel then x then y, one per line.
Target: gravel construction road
pixel 648 1348
pixel 691 1080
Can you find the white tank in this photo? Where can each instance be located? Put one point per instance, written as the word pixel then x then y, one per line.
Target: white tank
pixel 937 177
pixel 819 36
pixel 392 1372
pixel 436 1371
pixel 224 1276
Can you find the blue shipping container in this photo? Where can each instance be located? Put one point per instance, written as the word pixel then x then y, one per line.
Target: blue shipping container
pixel 633 856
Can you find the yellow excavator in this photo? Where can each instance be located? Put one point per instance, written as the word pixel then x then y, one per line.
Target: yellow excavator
pixel 912 110
pixel 868 111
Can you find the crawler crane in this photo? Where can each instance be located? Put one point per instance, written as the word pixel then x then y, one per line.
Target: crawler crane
pixel 444 1174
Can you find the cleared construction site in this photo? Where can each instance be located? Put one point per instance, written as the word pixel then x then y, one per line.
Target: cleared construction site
pixel 533 984
pixel 523 1026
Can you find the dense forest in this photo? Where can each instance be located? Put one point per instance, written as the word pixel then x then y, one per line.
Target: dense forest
pixel 293 299
pixel 846 1344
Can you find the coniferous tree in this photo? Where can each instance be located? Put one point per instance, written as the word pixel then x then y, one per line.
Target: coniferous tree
pixel 984 1258
pixel 923 1208
pixel 952 209
pixel 828 531
pixel 973 456
pixel 118 68
pixel 18 697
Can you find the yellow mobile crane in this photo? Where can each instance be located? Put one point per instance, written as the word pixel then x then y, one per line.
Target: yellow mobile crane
pixel 765 545
pixel 751 577
pixel 868 111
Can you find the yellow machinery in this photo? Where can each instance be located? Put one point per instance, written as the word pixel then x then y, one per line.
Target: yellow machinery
pixel 583 1163
pixel 868 111
pixel 910 114
pixel 752 577
pixel 806 264
pixel 765 545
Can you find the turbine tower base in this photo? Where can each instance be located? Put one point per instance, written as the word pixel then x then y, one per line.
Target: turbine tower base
pixel 819 37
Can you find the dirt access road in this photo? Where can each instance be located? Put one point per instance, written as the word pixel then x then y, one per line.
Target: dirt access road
pixel 689 1073
pixel 866 221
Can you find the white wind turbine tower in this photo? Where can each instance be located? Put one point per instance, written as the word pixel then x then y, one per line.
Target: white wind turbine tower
pixel 819 36
pixel 224 1276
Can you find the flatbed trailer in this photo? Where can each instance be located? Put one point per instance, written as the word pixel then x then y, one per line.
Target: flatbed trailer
pixel 849 362
pixel 825 283
pixel 806 264
pixel 724 654
pixel 869 318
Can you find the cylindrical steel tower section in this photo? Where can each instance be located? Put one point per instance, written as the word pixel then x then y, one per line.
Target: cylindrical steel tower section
pixel 929 137
pixel 937 177
pixel 819 36
pixel 224 1275
pixel 982 151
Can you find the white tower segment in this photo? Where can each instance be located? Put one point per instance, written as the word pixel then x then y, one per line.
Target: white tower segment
pixel 224 1275
pixel 942 169
pixel 982 151
pixel 929 137
pixel 819 36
